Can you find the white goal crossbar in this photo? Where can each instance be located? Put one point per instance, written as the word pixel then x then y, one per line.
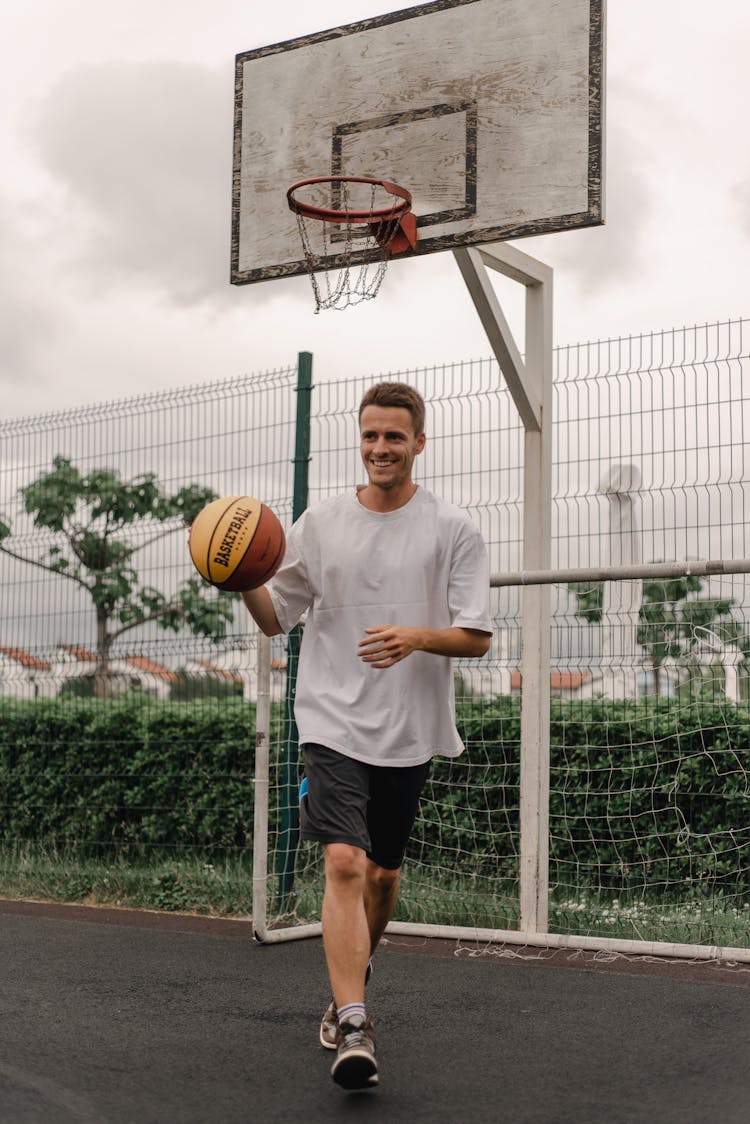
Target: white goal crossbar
pixel 645 571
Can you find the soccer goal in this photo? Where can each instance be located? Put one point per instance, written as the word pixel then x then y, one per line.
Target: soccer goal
pixel 630 831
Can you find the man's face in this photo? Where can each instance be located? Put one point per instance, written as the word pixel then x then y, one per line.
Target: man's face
pixel 388 445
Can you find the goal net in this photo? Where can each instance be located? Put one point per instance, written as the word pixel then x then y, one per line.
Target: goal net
pixel 648 837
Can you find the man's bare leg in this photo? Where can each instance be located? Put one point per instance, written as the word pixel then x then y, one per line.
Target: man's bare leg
pixel 346 940
pixel 381 895
pixel 346 933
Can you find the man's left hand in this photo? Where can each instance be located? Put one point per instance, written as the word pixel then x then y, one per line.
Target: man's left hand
pixel 387 644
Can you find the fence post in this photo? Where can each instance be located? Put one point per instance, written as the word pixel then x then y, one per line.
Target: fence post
pixel 260 799
pixel 289 798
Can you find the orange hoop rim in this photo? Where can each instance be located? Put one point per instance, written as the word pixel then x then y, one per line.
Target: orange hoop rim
pixel 328 214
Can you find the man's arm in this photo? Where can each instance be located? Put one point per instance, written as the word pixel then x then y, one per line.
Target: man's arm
pixel 262 611
pixel 387 644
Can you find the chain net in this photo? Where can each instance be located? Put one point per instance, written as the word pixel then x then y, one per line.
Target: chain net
pixel 360 251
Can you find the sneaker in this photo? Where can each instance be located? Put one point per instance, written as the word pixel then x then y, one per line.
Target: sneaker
pixel 355 1066
pixel 329 1027
pixel 329 1024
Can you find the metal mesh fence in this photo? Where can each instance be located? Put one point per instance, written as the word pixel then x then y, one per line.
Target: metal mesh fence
pixel 649 466
pixel 228 438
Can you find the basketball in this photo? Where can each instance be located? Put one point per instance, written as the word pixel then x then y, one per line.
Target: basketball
pixel 236 543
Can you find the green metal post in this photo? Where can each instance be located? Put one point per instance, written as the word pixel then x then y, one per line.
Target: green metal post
pixel 289 802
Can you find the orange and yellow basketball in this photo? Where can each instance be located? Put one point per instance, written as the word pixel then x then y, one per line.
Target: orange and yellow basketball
pixel 236 543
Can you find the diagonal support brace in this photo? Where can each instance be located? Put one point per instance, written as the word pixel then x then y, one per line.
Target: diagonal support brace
pixel 522 378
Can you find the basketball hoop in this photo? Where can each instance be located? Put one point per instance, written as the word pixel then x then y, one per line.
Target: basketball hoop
pixel 359 224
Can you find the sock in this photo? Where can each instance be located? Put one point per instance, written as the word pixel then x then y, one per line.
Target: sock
pixel 345 1013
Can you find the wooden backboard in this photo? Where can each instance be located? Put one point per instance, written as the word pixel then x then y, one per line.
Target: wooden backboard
pixel 489 111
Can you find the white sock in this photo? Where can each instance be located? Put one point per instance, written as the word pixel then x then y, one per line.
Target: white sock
pixel 345 1013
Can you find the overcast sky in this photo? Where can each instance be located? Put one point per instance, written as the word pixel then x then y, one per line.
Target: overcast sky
pixel 116 136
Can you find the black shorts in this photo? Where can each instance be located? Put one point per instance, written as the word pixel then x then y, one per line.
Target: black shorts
pixel 368 806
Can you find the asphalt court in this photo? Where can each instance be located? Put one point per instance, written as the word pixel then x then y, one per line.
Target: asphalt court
pixel 117 1016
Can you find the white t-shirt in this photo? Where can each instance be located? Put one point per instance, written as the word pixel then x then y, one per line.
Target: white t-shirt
pixel 424 565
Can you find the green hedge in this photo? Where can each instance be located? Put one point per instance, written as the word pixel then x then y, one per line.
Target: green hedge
pixel 642 794
pixel 132 775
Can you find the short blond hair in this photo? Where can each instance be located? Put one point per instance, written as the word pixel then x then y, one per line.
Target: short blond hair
pixel 397 394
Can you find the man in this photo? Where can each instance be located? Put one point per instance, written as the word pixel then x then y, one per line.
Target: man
pixel 395 582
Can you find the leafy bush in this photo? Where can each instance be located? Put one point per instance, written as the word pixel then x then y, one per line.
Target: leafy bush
pixel 643 795
pixel 130 775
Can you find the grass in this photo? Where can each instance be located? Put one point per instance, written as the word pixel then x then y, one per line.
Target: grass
pixel 428 897
pixel 174 883
pixel 188 883
pixel 700 920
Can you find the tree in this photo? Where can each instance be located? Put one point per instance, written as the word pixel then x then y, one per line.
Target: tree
pixel 101 522
pixel 668 617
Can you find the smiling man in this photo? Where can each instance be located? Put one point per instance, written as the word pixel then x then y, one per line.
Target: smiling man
pixel 395 582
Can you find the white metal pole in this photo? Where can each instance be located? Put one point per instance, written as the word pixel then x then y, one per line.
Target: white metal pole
pixel 529 381
pixel 535 629
pixel 571 941
pixel 260 820
pixel 648 570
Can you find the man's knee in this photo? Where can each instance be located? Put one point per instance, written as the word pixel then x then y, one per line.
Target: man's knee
pixel 381 881
pixel 344 863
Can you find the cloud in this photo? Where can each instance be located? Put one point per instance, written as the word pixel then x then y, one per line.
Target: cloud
pixel 143 152
pixel 614 253
pixel 741 200
pixel 31 321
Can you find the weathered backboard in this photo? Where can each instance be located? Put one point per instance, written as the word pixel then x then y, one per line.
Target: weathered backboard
pixel 488 111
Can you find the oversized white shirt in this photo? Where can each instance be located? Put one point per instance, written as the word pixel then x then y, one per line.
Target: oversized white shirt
pixel 425 566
